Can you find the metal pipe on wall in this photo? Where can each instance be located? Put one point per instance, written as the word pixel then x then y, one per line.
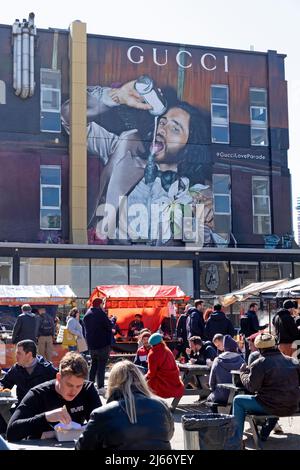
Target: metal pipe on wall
pixel 25 61
pixel 32 32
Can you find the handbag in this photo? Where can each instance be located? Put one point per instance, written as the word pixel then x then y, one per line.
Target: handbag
pixel 81 345
pixel 68 338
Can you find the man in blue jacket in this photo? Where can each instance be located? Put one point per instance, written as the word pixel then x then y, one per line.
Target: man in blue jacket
pixel 195 323
pixel 98 331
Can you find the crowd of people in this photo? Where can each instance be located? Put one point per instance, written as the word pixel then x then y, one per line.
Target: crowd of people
pixel 135 415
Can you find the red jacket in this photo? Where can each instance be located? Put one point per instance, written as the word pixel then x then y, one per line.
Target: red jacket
pixel 163 374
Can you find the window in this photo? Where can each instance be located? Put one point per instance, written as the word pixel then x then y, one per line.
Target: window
pixel 222 205
pixel 50 101
pixel 258 116
pixel 50 197
pixel 219 114
pixel 261 205
pixel 179 273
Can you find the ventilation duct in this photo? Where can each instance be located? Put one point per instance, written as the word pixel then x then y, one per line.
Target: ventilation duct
pixel 23 56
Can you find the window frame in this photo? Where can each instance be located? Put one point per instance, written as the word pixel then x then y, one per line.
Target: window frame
pixel 227 195
pixel 48 88
pixel 215 122
pixel 257 196
pixel 255 124
pixel 56 186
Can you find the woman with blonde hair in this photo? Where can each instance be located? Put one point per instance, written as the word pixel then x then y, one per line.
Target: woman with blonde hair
pixel 132 419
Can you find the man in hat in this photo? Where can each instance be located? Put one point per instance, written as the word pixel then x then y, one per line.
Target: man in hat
pixel 286 328
pixel 274 381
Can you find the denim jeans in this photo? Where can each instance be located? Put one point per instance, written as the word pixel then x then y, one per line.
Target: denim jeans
pixel 243 404
pixel 99 359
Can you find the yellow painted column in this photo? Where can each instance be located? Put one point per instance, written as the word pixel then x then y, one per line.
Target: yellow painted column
pixel 77 142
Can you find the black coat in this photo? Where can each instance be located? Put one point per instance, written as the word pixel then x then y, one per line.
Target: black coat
pixel 195 323
pixel 18 375
pixel 98 328
pixel 218 323
pixel 285 327
pixel 275 380
pixel 110 428
pixel 26 327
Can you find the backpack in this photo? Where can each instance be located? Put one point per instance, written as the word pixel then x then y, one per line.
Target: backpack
pixel 46 326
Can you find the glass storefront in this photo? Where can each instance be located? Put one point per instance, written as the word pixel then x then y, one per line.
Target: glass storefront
pixel 179 273
pixel 243 274
pixel 5 271
pixel 296 270
pixel 37 271
pixel 75 273
pixel 214 278
pixel 144 271
pixel 274 271
pixel 108 271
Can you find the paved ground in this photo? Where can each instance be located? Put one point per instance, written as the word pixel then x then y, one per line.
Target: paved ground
pixel 290 440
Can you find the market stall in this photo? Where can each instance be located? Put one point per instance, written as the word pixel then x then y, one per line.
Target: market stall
pixel 153 302
pixel 47 297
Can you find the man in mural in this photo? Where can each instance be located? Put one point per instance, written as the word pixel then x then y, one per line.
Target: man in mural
pixel 144 177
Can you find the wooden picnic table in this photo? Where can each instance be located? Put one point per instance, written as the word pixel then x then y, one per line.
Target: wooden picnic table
pixel 188 372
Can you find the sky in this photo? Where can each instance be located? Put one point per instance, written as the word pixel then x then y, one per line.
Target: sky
pixel 235 24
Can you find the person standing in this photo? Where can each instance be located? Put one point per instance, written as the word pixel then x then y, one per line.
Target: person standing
pixel 218 323
pixel 98 331
pixel 285 328
pixel 46 332
pixel 74 326
pixel 181 334
pixel 195 323
pixel 26 326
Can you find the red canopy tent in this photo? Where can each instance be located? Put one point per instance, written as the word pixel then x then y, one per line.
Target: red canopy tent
pixel 150 301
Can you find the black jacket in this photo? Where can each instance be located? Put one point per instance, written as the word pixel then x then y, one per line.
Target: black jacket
pixel 218 323
pixel 110 428
pixel 18 375
pixel 181 327
pixel 195 323
pixel 26 327
pixel 275 379
pixel 285 327
pixel 28 421
pixel 98 328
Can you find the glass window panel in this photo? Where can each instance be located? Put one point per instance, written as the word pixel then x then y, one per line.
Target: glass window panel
pixel 259 136
pixel 50 99
pixel 261 205
pixel 50 218
pixel 260 187
pixel 258 97
pixel 50 197
pixel 75 273
pixel 262 224
pixel 50 78
pixel 147 270
pixel 109 271
pixel 259 114
pixel 5 271
pixel 296 270
pixel 242 274
pixel 221 184
pixel 219 94
pixel 220 134
pixel 222 225
pixel 273 271
pixel 179 273
pixel 219 113
pixel 50 175
pixel 214 278
pixel 37 271
pixel 222 204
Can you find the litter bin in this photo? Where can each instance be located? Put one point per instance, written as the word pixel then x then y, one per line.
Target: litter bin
pixel 210 431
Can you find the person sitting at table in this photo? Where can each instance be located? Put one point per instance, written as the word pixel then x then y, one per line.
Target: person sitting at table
pixel 200 353
pixel 163 374
pixel 273 379
pixel 29 370
pixel 217 341
pixel 135 326
pixel 227 361
pixel 141 358
pixel 69 397
pixel 132 419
